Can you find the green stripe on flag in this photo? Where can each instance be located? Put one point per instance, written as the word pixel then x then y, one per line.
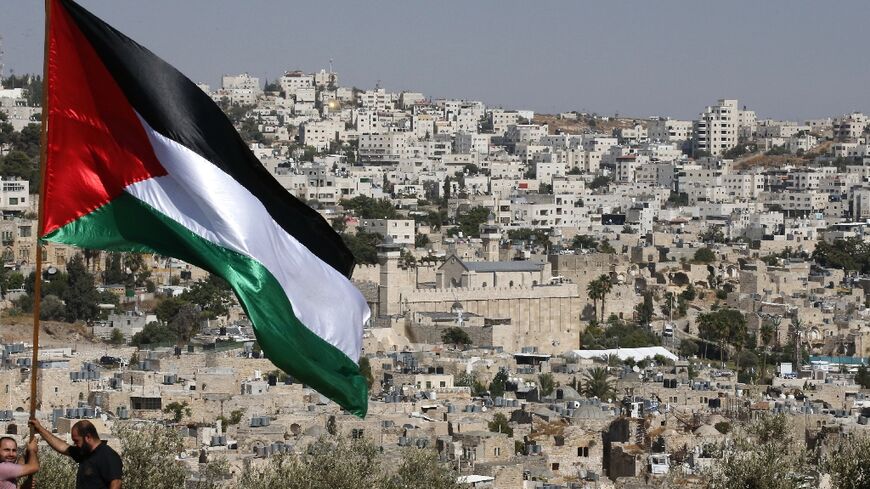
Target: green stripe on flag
pixel 128 224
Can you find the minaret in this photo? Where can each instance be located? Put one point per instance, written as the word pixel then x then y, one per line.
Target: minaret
pixel 388 291
pixel 491 238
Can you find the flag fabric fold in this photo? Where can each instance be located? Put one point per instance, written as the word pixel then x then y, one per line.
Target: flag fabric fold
pixel 140 159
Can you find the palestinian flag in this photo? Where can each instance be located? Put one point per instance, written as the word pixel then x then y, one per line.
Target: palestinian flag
pixel 140 159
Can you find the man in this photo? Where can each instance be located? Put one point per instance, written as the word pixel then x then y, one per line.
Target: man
pixel 10 469
pixel 99 465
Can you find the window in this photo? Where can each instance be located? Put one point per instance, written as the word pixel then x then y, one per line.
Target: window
pixel 496 451
pixel 582 451
pixel 555 466
pixel 153 403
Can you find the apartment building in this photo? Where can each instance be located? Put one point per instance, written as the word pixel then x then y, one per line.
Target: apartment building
pixel 670 130
pixel 717 128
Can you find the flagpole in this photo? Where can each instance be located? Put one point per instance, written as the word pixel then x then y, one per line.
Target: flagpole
pixel 37 283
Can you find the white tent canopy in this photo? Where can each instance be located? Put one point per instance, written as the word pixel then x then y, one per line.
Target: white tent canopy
pixel 625 353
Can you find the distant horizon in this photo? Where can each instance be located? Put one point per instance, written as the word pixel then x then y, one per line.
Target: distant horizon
pixel 784 60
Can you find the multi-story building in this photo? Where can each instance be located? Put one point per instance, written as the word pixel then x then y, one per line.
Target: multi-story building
pixel 400 230
pixel 850 127
pixel 671 130
pixel 294 80
pixel 319 134
pixel 14 195
pixel 390 146
pixel 717 128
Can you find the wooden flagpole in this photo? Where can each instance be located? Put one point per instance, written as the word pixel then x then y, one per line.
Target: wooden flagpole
pixel 37 283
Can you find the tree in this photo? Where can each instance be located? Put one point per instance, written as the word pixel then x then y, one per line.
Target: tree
pixel 342 463
pixel 14 281
pixel 596 383
pixel 369 208
pixel 689 293
pixel 114 272
pixel 421 240
pixel 117 337
pixel 847 462
pixel 499 424
pixel 213 296
pixel 167 308
pixel 599 182
pixel 767 456
pixel 546 384
pixel 334 462
pixel 848 254
pixel 177 410
pixel 713 234
pixel 154 333
pixel 213 474
pixel 363 245
pixel 606 247
pixel 584 242
pixel 723 326
pixel 455 336
pixel 862 378
pixel 234 419
pixel 704 255
pixel 55 470
pixel 688 348
pixel 469 221
pixel 645 309
pixel 421 465
pixel 81 297
pixel 496 387
pixel 597 289
pixel 185 324
pixel 52 309
pixel 149 456
pixel 365 368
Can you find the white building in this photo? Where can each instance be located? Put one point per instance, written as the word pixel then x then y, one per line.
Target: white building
pixel 14 195
pixel 401 230
pixel 671 130
pixel 294 80
pixel 717 128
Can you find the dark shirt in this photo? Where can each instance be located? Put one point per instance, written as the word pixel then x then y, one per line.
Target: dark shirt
pixel 98 468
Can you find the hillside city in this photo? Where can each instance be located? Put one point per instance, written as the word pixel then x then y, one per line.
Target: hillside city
pixel 569 300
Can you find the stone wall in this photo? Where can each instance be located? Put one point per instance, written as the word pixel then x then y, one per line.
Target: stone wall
pixel 544 316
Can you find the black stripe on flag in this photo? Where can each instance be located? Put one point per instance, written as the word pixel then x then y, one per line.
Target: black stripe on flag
pixel 176 108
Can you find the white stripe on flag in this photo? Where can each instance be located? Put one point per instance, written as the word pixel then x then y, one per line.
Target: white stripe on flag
pixel 211 204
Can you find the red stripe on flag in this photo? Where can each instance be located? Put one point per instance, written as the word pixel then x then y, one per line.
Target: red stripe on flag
pixel 96 143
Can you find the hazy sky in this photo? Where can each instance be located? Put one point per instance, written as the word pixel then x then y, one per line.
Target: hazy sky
pixel 783 58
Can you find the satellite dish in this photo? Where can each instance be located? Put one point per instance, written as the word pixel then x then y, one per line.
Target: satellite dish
pixel 51 270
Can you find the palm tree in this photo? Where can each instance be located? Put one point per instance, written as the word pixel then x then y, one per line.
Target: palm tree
pixel 606 287
pixel 798 333
pixel 595 291
pixel 597 383
pixel 766 336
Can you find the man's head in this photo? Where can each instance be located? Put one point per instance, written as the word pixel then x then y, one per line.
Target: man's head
pixel 8 449
pixel 84 436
